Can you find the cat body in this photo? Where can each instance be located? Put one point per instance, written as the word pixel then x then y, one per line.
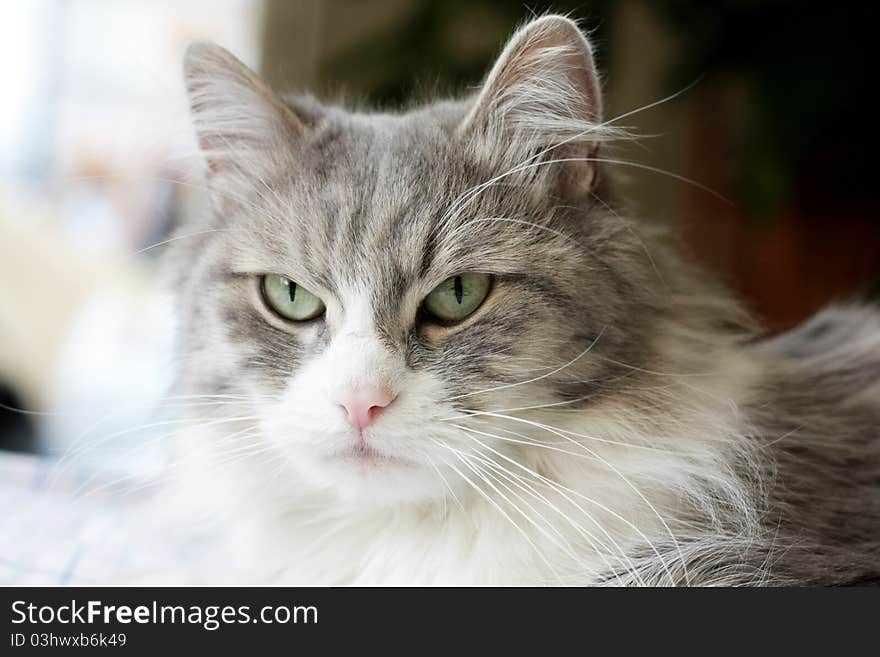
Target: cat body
pixel 594 411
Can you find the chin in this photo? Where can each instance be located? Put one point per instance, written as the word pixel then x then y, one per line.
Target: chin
pixel 368 478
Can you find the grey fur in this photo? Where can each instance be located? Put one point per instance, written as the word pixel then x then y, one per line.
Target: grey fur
pixel 332 198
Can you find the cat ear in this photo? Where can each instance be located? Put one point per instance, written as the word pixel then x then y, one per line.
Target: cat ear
pixel 543 96
pixel 234 112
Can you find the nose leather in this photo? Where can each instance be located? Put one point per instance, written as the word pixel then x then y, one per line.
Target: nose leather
pixel 363 404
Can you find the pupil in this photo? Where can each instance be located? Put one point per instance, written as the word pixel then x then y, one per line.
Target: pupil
pixel 459 290
pixel 291 288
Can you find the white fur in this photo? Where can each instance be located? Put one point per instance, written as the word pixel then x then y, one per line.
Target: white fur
pixel 321 522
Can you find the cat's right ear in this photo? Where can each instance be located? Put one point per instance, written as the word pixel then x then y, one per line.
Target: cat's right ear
pixel 542 102
pixel 235 114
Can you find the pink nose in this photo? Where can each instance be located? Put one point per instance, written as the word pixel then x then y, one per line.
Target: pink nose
pixel 363 404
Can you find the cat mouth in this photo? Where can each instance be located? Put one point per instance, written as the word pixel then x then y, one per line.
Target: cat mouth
pixel 363 454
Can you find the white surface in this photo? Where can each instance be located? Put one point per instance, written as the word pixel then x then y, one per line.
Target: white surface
pixel 68 526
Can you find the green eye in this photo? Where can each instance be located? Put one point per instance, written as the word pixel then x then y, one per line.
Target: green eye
pixel 290 300
pixel 457 296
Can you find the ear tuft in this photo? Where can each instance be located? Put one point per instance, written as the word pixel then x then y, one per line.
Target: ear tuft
pixel 543 95
pixel 233 110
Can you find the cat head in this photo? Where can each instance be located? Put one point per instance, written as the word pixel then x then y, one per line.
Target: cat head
pixel 396 296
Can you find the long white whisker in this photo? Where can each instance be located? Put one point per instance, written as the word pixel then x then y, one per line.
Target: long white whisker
pixel 61 466
pixel 469 195
pixel 625 479
pixel 561 489
pixel 533 380
pixel 525 485
pixel 496 506
pixel 178 237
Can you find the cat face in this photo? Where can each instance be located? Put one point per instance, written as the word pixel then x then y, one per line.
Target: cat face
pixel 400 296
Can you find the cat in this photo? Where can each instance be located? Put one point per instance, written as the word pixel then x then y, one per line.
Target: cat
pixel 432 347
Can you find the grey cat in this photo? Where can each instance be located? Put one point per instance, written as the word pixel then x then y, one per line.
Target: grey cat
pixel 437 350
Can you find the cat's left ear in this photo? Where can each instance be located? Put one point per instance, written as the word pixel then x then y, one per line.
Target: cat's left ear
pixel 235 114
pixel 543 96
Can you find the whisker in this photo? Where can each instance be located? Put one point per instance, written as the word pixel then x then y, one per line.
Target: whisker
pixel 178 237
pixel 539 425
pixel 539 378
pixel 524 484
pixel 565 545
pixel 626 480
pixel 447 487
pixel 464 199
pixel 496 506
pixel 62 464
pixel 560 488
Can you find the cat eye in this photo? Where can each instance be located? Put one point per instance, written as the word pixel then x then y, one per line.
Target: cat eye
pixel 290 299
pixel 457 297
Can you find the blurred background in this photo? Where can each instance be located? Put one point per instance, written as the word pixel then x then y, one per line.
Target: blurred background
pixel 97 162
